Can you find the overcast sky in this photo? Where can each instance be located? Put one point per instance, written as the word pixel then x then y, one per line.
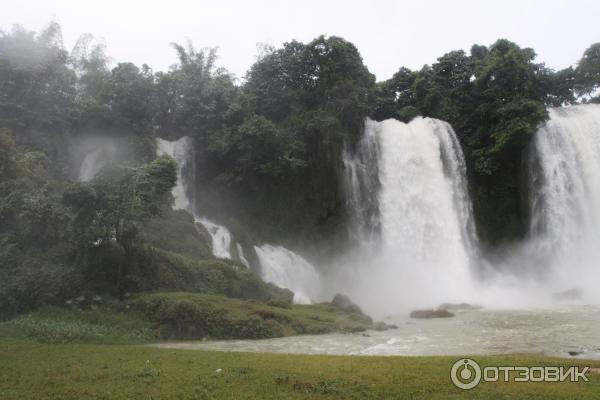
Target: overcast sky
pixel 388 34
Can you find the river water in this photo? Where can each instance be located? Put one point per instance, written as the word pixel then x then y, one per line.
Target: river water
pixel 554 332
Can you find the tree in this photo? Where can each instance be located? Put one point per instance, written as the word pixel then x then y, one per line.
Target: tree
pixel 91 64
pixel 283 137
pixel 8 150
pixel 129 95
pixel 561 87
pixel 396 97
pixel 193 97
pixel 29 212
pixel 111 208
pixel 587 74
pixel 37 88
pixel 495 99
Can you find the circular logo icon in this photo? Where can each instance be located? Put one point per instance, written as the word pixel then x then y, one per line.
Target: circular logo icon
pixel 465 373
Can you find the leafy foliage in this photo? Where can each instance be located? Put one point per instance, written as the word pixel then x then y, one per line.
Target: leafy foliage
pixel 495 98
pixel 283 138
pixel 196 316
pixel 588 73
pixel 268 153
pixel 111 208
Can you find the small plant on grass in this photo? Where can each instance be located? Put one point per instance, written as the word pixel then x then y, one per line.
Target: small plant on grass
pixel 148 372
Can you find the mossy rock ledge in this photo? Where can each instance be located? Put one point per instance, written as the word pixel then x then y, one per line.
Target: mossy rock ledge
pixel 194 316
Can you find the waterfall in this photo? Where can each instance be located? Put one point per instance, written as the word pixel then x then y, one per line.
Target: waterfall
pixel 221 238
pixel 289 270
pixel 182 151
pixel 565 200
pixel 278 264
pixel 95 160
pixel 425 212
pixel 362 185
pixel 241 255
pixel 407 181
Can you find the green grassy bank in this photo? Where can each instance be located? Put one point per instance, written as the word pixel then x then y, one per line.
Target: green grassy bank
pixel 181 316
pixel 31 370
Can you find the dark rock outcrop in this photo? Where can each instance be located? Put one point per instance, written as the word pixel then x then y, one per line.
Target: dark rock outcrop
pixel 427 314
pixel 459 307
pixel 345 305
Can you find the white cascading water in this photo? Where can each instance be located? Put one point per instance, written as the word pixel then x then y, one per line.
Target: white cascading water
pixel 95 160
pixel 565 203
pixel 289 270
pixel 221 237
pixel 241 255
pixel 278 264
pixel 423 250
pixel 362 186
pixel 423 199
pixel 182 151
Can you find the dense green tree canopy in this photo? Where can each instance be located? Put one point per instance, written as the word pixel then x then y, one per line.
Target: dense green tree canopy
pixel 268 158
pixel 305 99
pixel 283 135
pixel 588 73
pixel 37 87
pixel 495 98
pixel 112 207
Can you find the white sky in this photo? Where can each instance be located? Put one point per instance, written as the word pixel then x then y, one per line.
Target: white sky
pixel 388 33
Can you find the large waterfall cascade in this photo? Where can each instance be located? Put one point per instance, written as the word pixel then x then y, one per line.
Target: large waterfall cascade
pixel 407 192
pixel 565 201
pixel 424 206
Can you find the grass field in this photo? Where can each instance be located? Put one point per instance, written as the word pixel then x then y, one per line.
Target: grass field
pixel 32 370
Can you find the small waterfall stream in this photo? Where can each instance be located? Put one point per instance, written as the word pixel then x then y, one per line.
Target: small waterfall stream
pixel 221 238
pixel 277 264
pixel 95 160
pixel 182 151
pixel 289 270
